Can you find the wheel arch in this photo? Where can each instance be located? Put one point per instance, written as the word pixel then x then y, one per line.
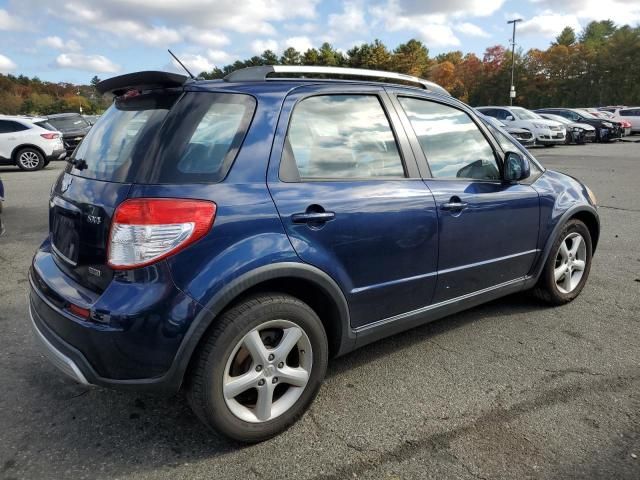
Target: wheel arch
pixel 16 150
pixel 590 219
pixel 587 215
pixel 300 280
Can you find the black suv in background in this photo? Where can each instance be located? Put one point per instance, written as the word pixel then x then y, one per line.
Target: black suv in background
pixel 606 130
pixel 73 127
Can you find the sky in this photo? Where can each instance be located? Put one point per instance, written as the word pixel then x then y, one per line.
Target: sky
pixel 73 40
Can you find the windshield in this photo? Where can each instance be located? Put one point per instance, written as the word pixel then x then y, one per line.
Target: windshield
pixel 556 118
pixel 69 123
pixel 524 114
pixel 586 114
pixel 138 140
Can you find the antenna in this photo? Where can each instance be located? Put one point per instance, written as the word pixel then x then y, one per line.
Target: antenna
pixel 181 64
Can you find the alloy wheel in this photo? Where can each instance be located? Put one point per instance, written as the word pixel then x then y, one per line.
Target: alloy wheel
pixel 570 262
pixel 29 160
pixel 267 371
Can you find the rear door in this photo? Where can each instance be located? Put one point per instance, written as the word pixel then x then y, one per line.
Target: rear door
pixel 11 135
pixel 5 143
pixel 488 228
pixel 631 115
pixel 351 199
pixel 86 195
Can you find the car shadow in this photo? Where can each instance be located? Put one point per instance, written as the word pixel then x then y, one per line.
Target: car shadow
pixel 130 428
pixel 513 304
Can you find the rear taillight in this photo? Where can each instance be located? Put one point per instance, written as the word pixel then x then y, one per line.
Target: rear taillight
pixel 50 136
pixel 145 230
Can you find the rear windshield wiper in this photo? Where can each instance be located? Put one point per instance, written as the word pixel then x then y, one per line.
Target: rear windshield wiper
pixel 78 163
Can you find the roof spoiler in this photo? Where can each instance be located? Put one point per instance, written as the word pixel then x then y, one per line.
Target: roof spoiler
pixel 148 80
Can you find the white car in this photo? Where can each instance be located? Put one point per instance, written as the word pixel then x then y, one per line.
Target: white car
pixel 631 115
pixel 546 132
pixel 29 142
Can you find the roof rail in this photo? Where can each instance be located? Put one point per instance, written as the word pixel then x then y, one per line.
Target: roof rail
pixel 261 73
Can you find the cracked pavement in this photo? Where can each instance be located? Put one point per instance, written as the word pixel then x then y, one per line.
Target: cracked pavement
pixel 511 389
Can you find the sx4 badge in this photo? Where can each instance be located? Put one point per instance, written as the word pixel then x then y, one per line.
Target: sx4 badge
pixel 94 219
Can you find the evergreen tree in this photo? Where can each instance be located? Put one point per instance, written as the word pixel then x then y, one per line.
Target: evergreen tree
pixel 567 37
pixel 290 57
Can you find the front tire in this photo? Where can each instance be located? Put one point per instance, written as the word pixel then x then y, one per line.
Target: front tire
pixel 259 368
pixel 568 265
pixel 30 159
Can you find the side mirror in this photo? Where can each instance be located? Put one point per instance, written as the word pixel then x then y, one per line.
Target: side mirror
pixel 516 167
pixel 510 118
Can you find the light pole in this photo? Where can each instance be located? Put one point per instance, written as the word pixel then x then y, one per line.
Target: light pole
pixel 80 100
pixel 512 91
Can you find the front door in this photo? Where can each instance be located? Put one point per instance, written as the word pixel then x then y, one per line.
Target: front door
pixel 351 199
pixel 488 228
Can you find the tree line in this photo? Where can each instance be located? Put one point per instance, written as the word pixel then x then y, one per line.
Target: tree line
pixel 601 66
pixel 23 95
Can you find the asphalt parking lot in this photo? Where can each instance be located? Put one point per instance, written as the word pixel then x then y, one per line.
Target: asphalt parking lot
pixel 512 389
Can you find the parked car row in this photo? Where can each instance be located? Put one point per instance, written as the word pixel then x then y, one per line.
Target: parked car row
pixel 556 126
pixel 31 143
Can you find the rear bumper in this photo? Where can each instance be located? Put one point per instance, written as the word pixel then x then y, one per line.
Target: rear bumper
pixel 54 354
pixel 137 345
pixel 57 154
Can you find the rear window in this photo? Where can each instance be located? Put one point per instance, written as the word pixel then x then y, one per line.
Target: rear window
pixel 166 138
pixel 46 126
pixel 69 123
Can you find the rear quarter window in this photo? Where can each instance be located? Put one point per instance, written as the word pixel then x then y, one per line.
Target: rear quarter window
pixel 166 137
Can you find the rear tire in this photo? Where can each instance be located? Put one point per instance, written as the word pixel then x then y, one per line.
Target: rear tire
pixel 243 383
pixel 30 160
pixel 567 268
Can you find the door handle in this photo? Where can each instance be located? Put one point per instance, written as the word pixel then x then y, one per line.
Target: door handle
pixel 313 217
pixel 454 206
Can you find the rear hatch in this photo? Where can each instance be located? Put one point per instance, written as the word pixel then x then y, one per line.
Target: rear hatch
pixel 97 180
pixel 164 136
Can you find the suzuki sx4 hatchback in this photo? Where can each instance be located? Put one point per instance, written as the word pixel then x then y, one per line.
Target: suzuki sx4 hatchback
pixel 229 237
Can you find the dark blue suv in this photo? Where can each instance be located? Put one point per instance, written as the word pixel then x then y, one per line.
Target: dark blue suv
pixel 229 237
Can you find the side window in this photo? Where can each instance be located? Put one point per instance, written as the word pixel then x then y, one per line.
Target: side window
pixel 502 114
pixel 508 143
pixel 451 141
pixel 214 136
pixel 342 136
pixel 7 126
